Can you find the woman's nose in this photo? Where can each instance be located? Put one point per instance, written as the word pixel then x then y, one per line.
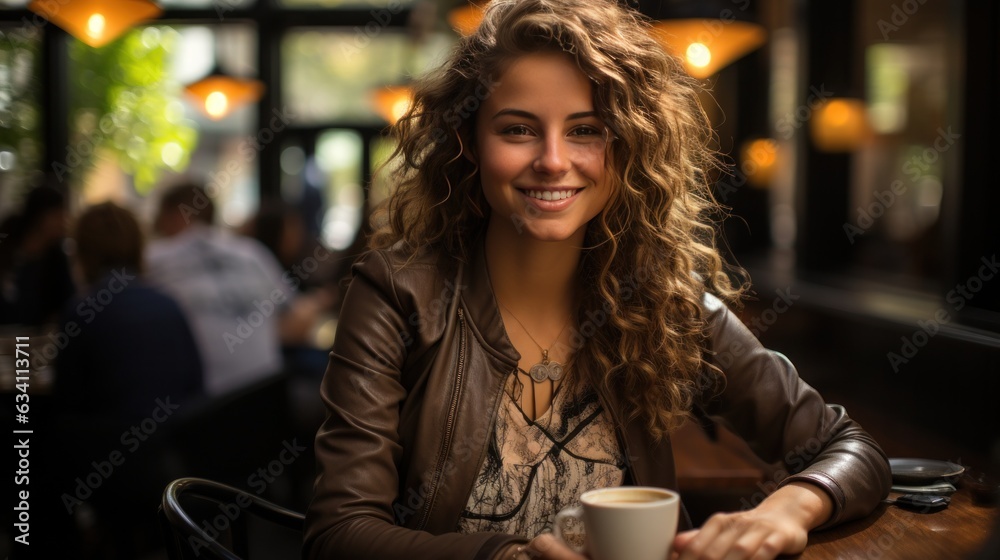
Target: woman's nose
pixel 554 156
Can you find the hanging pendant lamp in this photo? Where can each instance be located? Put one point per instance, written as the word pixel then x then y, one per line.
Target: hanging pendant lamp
pixel 840 124
pixel 708 45
pixel 707 35
pixel 219 94
pixel 96 22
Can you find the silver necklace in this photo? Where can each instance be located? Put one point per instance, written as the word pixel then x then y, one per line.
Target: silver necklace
pixel 546 369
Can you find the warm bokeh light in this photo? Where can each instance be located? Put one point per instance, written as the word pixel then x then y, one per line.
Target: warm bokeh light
pixel 465 19
pixel 216 104
pixel 708 45
pixel 392 103
pixel 400 108
pixel 96 22
pixel 840 125
pixel 758 161
pixel 705 45
pixel 95 26
pixel 698 55
pixel 219 95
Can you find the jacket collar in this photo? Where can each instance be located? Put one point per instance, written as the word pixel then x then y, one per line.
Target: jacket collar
pixel 484 313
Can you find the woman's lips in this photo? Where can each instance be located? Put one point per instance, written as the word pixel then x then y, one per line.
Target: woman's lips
pixel 550 199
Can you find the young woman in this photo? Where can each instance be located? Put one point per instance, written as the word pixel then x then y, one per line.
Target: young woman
pixel 541 308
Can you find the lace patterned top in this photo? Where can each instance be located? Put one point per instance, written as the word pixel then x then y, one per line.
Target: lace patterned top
pixel 533 469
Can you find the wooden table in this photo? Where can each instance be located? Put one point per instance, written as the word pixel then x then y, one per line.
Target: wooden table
pixel 893 533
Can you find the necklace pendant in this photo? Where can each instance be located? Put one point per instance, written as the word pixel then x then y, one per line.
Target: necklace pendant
pixel 546 370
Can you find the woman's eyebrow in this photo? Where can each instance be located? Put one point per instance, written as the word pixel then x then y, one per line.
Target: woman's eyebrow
pixel 532 116
pixel 516 113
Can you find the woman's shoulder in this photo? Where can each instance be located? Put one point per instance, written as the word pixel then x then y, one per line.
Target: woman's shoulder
pixel 407 273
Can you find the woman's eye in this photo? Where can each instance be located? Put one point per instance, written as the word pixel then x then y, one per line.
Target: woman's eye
pixel 586 131
pixel 517 130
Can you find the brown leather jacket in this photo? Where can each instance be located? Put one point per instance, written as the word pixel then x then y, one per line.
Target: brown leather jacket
pixel 412 391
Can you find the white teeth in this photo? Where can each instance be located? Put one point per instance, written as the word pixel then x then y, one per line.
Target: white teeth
pixel 550 195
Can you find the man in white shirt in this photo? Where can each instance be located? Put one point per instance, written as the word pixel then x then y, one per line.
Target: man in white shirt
pixel 230 287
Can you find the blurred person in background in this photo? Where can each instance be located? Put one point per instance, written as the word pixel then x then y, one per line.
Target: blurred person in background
pixel 128 365
pixel 35 279
pixel 310 268
pixel 239 301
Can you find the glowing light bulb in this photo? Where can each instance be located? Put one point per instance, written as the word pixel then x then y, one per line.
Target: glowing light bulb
pixel 216 104
pixel 698 55
pixel 399 108
pixel 95 25
pixel 837 113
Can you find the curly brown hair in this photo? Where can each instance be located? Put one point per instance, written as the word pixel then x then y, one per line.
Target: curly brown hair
pixel 651 253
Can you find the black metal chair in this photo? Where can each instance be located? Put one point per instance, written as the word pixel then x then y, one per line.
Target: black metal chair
pixel 205 519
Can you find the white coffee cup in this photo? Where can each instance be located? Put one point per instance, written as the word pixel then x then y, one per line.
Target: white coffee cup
pixel 625 522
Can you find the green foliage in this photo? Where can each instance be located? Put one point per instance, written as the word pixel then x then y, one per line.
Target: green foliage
pixel 125 103
pixel 20 129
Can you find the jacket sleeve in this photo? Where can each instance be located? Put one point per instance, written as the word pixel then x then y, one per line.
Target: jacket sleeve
pixel 782 418
pixel 358 449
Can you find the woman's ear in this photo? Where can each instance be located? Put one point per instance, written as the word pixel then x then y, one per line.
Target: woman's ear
pixel 468 148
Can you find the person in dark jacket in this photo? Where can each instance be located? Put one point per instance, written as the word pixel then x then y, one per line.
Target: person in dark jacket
pixel 544 303
pixel 127 369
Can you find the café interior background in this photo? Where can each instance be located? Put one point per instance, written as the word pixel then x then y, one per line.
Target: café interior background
pixel 860 137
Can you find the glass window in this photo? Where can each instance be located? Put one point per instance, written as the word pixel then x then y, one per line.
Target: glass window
pixel 125 112
pixel 348 4
pixel 332 75
pixel 219 5
pixel 381 183
pixel 20 117
pixel 133 128
pixel 338 159
pixel 901 176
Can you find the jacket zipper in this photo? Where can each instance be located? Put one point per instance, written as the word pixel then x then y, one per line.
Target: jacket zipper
pixel 450 424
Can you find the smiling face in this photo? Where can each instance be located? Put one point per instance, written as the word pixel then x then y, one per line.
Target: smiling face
pixel 540 147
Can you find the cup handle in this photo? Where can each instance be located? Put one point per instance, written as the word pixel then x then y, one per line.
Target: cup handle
pixel 574 512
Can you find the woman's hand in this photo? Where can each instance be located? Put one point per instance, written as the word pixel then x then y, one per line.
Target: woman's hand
pixel 779 525
pixel 545 547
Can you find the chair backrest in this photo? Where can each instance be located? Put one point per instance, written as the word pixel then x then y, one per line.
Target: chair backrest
pixel 205 519
pixel 227 439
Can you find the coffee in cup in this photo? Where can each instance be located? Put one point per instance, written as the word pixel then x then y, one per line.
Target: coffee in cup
pixel 625 522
